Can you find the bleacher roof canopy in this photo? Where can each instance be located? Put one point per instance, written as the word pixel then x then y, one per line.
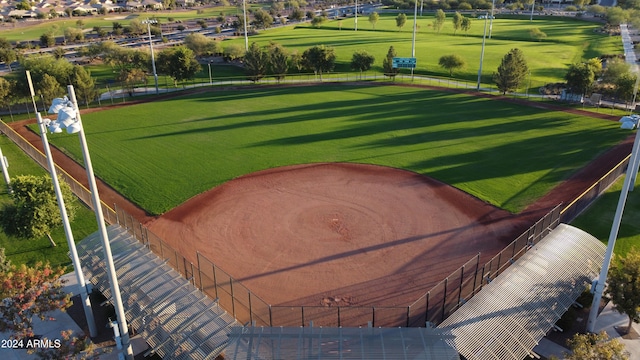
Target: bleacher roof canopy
pixel 509 316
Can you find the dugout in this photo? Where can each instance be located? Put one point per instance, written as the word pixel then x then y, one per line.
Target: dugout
pixel 510 315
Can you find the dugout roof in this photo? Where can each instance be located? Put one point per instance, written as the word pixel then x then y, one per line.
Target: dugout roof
pixel 173 316
pixel 262 343
pixel 509 316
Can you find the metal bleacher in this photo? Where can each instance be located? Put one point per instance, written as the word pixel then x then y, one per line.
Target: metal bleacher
pixel 173 316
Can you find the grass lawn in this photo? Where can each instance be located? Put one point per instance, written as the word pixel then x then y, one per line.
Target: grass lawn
pixel 30 251
pixel 568 41
pixel 597 220
pixel 160 154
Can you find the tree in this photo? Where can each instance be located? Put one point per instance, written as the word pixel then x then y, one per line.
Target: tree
pixel 201 45
pixel 47 39
pixel 595 347
pixel 84 84
pixel 7 56
pixel 466 25
pixel 7 93
pixel 178 62
pixel 34 210
pixel 278 60
pixel 318 20
pixel 401 20
pixel 438 22
pixel 233 52
pixel 297 14
pixel 537 34
pixel 320 59
pixel 451 62
pixel 35 291
pixel 73 34
pixel 262 18
pixel 256 61
pixel 49 88
pixel 580 78
pixel 130 78
pixel 373 19
pixel 387 63
pixel 512 71
pixel 59 52
pixel 457 22
pixel 624 286
pixel 136 27
pixel 625 85
pixel 362 61
pixel 29 292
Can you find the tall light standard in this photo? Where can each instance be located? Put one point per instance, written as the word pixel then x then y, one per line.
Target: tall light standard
pixel 617 219
pixel 484 37
pixel 244 16
pixel 153 59
pixel 210 78
pixel 69 118
pixel 493 6
pixel 84 290
pixel 533 4
pixel 5 172
pixel 356 18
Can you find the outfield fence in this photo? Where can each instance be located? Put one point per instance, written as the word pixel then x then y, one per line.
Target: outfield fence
pixel 431 308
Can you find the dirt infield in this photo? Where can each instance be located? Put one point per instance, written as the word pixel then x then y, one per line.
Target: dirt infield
pixel 302 235
pixel 362 234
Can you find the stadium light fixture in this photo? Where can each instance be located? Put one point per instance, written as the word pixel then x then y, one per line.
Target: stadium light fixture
pixel 628 122
pixel 153 59
pixel 69 119
pixel 75 260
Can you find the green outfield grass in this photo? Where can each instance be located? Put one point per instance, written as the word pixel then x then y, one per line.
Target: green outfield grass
pixel 30 251
pixel 568 41
pixel 597 220
pixel 160 154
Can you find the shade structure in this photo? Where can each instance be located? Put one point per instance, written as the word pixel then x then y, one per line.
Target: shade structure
pixel 173 316
pixel 509 316
pixel 271 343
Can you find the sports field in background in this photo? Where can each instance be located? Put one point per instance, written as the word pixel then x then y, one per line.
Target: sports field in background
pixel 162 153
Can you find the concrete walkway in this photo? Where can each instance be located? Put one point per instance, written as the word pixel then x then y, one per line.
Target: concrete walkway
pixel 607 321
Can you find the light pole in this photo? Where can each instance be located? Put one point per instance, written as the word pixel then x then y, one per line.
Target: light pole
pixel 69 118
pixel 484 37
pixel 210 78
pixel 599 284
pixel 244 16
pixel 356 18
pixel 493 6
pixel 533 4
pixel 153 60
pixel 5 172
pixel 84 290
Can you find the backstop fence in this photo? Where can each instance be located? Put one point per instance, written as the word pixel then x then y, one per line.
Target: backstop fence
pixel 431 308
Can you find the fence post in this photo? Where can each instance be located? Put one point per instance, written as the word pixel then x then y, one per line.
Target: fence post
pixel 373 316
pixel 460 288
pixel 215 280
pixel 444 298
pixel 270 316
pixel 302 313
pixel 339 316
pixel 408 314
pixel 426 314
pixel 250 309
pixel 475 277
pixel 233 298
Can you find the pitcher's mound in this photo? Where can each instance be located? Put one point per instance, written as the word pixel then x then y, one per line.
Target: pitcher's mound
pixel 345 234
